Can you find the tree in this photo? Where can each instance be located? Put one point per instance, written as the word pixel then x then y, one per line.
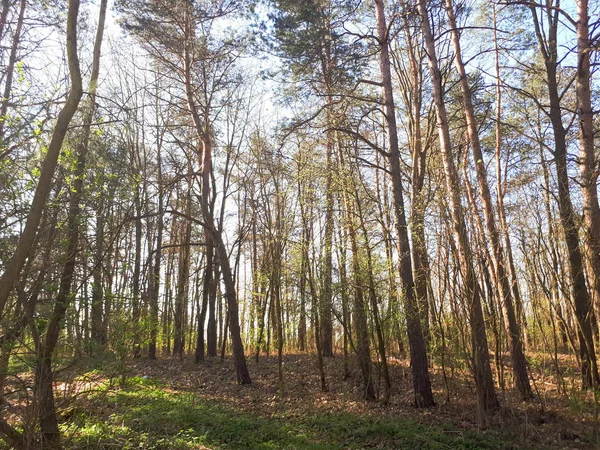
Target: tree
pixel 310 36
pixel 15 265
pixel 548 48
pixel 589 179
pixel 486 395
pixel 499 262
pixel 418 352
pixel 170 34
pixel 44 375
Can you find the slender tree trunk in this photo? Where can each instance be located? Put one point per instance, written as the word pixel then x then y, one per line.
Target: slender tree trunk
pixel 504 289
pixel 359 310
pixel 519 311
pixel 98 334
pixel 344 298
pixel 375 308
pixel 418 352
pixel 385 222
pixel 15 265
pixel 167 306
pixel 486 394
pixel 589 180
pixel 302 292
pixel 10 70
pixel 206 288
pixel 137 270
pixel 582 299
pixel 44 374
pixel 3 16
pixel 317 328
pixel 326 306
pixel 155 276
pixel 211 332
pixel 243 376
pixel 326 303
pixel 181 298
pixel 419 152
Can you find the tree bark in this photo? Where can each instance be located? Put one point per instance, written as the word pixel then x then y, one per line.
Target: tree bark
pixel 583 305
pixel 589 179
pixel 14 266
pixel 486 394
pixel 512 326
pixel 418 352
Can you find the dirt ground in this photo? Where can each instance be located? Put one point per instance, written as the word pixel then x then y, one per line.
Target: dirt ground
pixel 556 419
pixel 551 421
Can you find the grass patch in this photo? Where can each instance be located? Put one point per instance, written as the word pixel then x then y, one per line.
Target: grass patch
pixel 146 415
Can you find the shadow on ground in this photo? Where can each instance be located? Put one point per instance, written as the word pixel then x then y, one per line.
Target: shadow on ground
pixel 147 415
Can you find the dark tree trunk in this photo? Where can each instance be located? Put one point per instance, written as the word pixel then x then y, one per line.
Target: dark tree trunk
pixel 155 276
pixel 181 299
pixel 211 332
pixel 206 287
pixel 98 334
pixel 137 269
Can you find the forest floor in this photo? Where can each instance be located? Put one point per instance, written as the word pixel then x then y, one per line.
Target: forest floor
pixel 173 404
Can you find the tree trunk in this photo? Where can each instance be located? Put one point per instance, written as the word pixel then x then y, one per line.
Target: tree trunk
pixel 504 289
pixel 181 299
pixel 418 352
pixel 206 288
pixel 137 269
pixel 486 394
pixel 10 71
pixel 326 305
pixel 155 276
pixel 582 299
pixel 359 310
pixel 211 332
pixel 44 374
pixel 589 180
pixel 14 266
pixel 98 334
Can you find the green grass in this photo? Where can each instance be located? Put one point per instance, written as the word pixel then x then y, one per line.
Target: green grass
pixel 143 415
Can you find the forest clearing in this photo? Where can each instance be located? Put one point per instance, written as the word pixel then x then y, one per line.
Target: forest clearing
pixel 299 224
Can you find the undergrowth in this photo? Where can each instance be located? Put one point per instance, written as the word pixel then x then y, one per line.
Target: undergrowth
pixel 144 414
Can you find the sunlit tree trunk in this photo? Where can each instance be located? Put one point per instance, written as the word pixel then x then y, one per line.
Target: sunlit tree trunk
pixel 499 262
pixel 44 374
pixel 418 352
pixel 486 394
pixel 589 178
pixel 548 47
